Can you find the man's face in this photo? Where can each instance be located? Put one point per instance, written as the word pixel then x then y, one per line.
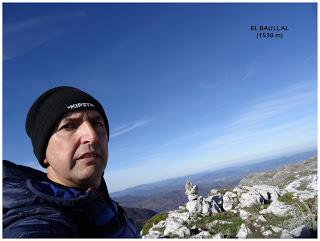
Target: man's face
pixel 77 151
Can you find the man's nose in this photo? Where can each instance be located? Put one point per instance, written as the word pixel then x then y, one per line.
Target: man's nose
pixel 87 133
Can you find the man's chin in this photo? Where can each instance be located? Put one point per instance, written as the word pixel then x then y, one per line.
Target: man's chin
pixel 90 174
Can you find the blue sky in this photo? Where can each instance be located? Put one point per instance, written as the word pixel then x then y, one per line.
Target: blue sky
pixel 186 87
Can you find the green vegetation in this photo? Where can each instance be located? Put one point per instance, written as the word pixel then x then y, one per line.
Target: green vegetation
pixel 303 185
pixel 161 230
pixel 258 234
pixel 256 208
pixel 255 234
pixel 286 179
pixel 287 198
pixel 152 221
pixel 304 207
pixel 306 215
pixel 313 204
pixel 229 230
pixel 276 220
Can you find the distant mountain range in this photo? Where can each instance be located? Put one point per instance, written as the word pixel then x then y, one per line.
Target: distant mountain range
pixel 169 194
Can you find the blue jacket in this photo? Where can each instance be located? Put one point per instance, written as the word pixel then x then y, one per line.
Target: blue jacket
pixel 35 207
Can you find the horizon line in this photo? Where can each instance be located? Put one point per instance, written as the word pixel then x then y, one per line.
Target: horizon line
pixel 252 161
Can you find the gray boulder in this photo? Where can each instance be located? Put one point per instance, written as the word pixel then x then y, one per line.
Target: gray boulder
pixel 301 232
pixel 243 231
pixel 202 234
pixel 194 207
pixel 279 209
pixel 228 202
pixel 217 236
pixel 173 227
pixel 244 215
pixel 206 208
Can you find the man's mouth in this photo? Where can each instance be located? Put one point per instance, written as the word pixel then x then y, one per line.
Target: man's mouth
pixel 88 155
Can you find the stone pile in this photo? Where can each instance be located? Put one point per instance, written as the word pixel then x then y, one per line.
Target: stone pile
pixel 241 201
pixel 198 204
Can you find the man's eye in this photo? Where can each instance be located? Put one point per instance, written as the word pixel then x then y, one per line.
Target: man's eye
pixel 98 124
pixel 68 126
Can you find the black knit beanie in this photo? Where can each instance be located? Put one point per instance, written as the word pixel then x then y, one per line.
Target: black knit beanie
pixel 49 108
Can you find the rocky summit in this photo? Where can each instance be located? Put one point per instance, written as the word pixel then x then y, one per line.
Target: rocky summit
pixel 278 204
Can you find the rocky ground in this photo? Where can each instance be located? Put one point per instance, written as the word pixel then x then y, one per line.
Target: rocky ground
pixel 279 204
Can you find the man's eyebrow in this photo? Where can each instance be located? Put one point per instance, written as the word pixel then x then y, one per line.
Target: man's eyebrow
pixel 75 118
pixel 71 118
pixel 95 118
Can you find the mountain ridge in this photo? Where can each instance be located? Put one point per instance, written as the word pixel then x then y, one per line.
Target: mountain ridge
pixel 139 189
pixel 275 204
pixel 164 197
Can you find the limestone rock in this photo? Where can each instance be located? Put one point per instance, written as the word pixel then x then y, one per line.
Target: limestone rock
pixel 188 185
pixel 209 199
pixel 257 225
pixel 191 189
pixel 215 222
pixel 173 227
pixel 218 199
pixel 192 197
pixel 202 234
pixel 303 193
pixel 243 231
pixel 301 232
pixel 244 215
pixel 213 192
pixel 279 209
pixel 228 200
pixel 269 193
pixel 179 217
pixel 194 211
pixel 217 236
pixel 275 229
pixel 267 233
pixel 258 194
pixel 215 208
pixel 183 232
pixel 206 208
pixel 285 234
pixel 261 218
pixel 194 207
pixel 249 198
pixel 152 235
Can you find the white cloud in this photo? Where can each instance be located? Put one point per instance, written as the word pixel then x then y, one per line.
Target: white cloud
pixel 272 124
pixel 255 135
pixel 275 104
pixel 120 130
pixel 251 70
pixel 23 36
pixel 36 22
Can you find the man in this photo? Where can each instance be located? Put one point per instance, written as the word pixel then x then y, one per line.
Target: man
pixel 69 132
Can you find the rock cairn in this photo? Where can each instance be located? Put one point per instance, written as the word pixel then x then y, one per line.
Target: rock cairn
pixel 251 204
pixel 199 205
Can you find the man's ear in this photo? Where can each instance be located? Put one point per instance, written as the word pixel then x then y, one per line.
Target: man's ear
pixel 46 161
